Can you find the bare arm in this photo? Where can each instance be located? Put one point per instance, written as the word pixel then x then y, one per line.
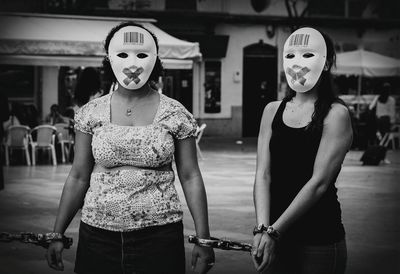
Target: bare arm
pixel 195 194
pixel 192 184
pixel 373 103
pixel 263 245
pixel 77 182
pixel 261 190
pixel 73 194
pixel 335 142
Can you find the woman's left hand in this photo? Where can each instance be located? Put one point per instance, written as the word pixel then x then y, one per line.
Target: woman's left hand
pixel 203 258
pixel 263 252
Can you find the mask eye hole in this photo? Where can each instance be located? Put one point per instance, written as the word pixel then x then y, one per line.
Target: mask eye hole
pixel 289 56
pixel 308 55
pixel 122 55
pixel 142 55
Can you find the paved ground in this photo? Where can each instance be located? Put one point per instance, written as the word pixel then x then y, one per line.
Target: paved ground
pixel 369 197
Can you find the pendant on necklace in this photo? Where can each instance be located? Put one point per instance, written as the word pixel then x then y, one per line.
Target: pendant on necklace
pixel 128 112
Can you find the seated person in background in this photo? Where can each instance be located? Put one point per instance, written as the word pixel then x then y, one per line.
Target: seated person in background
pixel 32 116
pixel 16 116
pixel 54 116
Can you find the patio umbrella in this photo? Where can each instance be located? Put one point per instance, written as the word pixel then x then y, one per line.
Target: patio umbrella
pixel 366 63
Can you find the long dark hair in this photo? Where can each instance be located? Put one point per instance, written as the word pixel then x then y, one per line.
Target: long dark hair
pixel 109 74
pixel 326 92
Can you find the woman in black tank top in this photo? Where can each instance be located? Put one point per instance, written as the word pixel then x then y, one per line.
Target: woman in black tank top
pixel 301 146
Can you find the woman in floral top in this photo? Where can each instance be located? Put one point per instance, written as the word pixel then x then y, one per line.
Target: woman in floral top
pixel 125 143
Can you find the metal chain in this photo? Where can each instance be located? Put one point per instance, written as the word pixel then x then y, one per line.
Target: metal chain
pixel 43 240
pixel 219 243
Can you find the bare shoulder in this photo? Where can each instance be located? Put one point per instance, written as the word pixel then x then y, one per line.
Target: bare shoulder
pixel 269 112
pixel 338 111
pixel 338 116
pixel 272 107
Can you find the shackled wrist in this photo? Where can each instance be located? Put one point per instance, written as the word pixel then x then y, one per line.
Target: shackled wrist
pixel 273 233
pixel 270 230
pixel 203 242
pixel 54 237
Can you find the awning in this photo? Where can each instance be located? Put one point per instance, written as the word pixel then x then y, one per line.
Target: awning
pixel 41 39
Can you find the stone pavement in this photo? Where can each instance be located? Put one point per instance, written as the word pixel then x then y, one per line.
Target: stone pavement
pixel 369 197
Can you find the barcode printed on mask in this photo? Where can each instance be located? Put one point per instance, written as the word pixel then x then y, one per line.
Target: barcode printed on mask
pixel 133 38
pixel 299 40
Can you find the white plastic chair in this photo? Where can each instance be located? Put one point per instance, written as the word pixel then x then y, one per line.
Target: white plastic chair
pixel 17 138
pixel 390 137
pixel 65 139
pixel 199 134
pixel 45 139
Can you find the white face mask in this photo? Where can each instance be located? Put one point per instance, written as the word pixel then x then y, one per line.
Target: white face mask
pixel 132 53
pixel 304 57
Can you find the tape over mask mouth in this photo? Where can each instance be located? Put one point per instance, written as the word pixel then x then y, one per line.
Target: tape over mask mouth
pixel 132 75
pixel 298 75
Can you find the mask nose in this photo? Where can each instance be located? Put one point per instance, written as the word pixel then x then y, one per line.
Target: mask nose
pixel 131 60
pixel 296 67
pixel 132 67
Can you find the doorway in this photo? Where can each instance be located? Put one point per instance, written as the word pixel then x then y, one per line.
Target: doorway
pixel 259 84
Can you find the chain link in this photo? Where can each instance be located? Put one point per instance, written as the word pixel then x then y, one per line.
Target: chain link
pixel 43 240
pixel 219 243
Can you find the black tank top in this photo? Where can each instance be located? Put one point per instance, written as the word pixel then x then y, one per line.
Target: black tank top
pixel 293 152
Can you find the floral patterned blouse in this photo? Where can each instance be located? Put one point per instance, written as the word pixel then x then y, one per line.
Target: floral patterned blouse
pixel 130 199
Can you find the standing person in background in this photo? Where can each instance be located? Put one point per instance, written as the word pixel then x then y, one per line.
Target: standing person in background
pixel 122 171
pixel 4 115
pixel 88 86
pixel 385 110
pixel 301 147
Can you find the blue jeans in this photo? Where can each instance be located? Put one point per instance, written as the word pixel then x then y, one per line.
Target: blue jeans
pixel 310 259
pixel 151 250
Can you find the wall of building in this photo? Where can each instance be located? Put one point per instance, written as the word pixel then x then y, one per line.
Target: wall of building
pixel 141 4
pixel 272 7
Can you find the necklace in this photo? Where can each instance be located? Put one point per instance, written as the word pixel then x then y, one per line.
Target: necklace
pixel 129 110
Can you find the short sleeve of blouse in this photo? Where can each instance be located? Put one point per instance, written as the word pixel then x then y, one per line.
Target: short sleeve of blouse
pixel 184 124
pixel 82 121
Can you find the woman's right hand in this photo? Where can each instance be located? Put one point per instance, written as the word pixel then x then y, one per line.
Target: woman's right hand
pixel 54 255
pixel 263 251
